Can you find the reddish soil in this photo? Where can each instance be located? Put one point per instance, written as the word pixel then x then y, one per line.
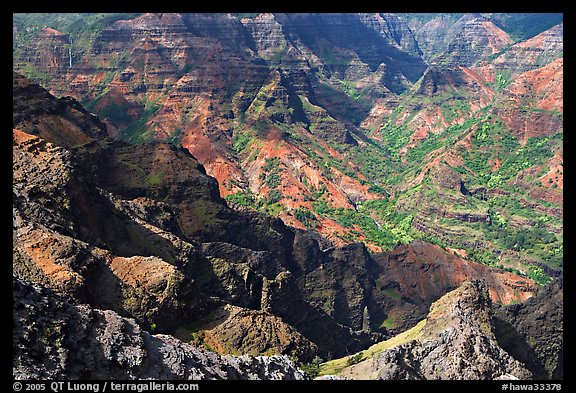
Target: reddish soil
pixel 422 269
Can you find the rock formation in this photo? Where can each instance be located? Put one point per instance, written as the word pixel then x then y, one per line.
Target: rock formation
pixel 533 331
pixel 364 138
pixel 142 231
pixel 56 339
pixel 456 342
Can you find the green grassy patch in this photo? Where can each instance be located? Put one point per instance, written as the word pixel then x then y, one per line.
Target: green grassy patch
pixel 139 131
pixel 392 293
pixel 334 367
pixel 388 323
pixel 155 179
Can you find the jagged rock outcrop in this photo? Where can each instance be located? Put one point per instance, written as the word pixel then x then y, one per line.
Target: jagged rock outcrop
pixel 533 53
pixel 533 331
pixel 141 230
pixel 431 36
pixel 235 330
pixel 395 30
pixel 62 121
pixel 471 39
pixel 56 339
pixel 423 272
pixel 457 342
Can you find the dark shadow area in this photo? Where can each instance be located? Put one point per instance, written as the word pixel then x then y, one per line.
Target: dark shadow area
pixel 516 345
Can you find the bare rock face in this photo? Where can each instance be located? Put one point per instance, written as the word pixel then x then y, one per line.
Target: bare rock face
pixel 457 342
pixel 62 121
pixel 431 36
pixel 533 331
pixel 268 36
pixel 539 90
pixel 534 52
pixel 471 39
pixel 423 273
pixel 394 29
pixel 235 330
pixel 141 231
pixel 54 339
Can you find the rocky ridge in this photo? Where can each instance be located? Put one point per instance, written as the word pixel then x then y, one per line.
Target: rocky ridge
pixel 456 342
pixel 56 339
pixel 142 231
pixel 282 109
pixel 533 331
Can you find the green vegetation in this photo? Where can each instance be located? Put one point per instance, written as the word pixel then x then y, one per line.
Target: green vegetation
pixel 305 216
pixel 194 334
pixel 377 220
pixel 155 179
pixel 271 173
pixel 381 162
pixel 116 114
pixel 502 80
pixel 241 198
pixel 266 107
pixel 537 274
pixel 30 71
pixel 392 293
pixel 176 137
pixel 83 28
pixel 454 109
pixel 241 140
pixel 341 105
pixel 388 323
pixel 334 367
pixel 139 132
pixel 312 368
pixel 355 359
pixel 274 196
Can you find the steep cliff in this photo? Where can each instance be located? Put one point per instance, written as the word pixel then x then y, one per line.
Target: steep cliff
pixel 533 332
pixel 231 90
pixel 534 52
pixel 471 39
pixel 423 272
pixel 436 138
pixel 56 339
pixel 141 230
pixel 455 341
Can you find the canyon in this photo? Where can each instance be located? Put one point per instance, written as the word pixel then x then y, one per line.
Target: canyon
pixel 259 191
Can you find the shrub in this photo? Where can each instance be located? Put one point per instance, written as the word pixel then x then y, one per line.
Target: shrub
pixel 274 196
pixel 355 359
pixel 312 368
pixel 305 216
